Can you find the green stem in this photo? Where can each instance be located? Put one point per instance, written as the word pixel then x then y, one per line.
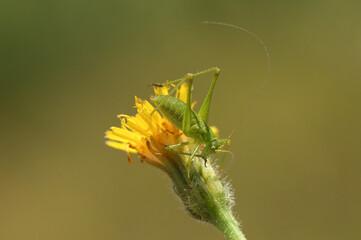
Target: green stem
pixel 203 194
pixel 228 225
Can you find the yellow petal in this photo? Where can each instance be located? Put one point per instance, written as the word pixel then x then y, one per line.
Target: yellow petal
pixel 144 112
pixel 215 131
pixel 121 146
pixel 111 136
pixel 161 90
pixel 123 134
pixel 183 92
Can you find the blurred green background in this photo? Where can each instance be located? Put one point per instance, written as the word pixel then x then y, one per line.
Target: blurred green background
pixel 68 67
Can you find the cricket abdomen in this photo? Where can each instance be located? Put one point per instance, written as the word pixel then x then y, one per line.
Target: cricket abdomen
pixel 173 109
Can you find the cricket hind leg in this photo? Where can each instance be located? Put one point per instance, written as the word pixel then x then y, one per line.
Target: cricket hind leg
pixel 181 80
pixel 178 82
pixel 204 111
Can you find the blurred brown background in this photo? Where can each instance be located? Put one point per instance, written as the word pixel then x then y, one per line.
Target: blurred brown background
pixel 68 67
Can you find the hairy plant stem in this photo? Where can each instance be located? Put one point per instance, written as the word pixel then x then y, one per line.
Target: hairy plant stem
pixel 228 225
pixel 205 196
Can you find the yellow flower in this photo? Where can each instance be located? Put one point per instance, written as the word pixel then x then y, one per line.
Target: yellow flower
pixel 147 134
pixel 205 196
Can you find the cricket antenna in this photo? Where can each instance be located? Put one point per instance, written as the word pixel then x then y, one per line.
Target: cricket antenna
pixel 265 80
